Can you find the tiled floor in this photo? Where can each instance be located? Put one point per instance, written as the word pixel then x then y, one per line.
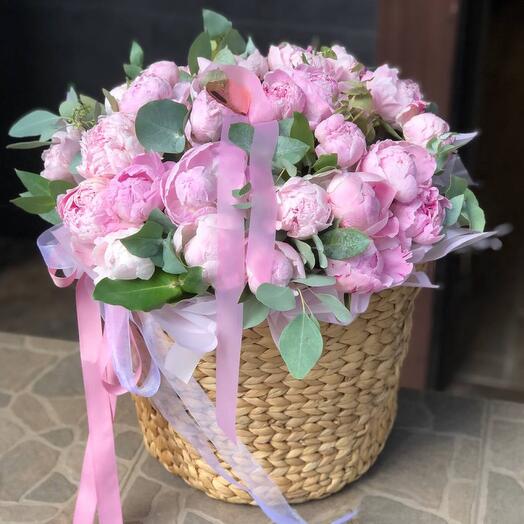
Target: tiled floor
pixel 449 460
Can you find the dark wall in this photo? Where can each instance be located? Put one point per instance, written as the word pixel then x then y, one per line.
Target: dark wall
pixel 48 44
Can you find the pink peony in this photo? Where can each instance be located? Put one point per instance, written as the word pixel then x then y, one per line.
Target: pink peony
pixel 84 210
pixel 109 146
pixel 287 265
pixel 383 265
pixel 321 90
pixel 285 56
pixel 190 189
pixel 57 159
pixel 202 249
pixel 117 93
pixel 335 135
pixel 284 93
pixel 255 62
pixel 205 119
pixel 143 89
pixel 405 166
pixel 346 66
pixel 421 128
pixel 422 219
pixel 303 208
pixel 362 201
pixel 391 96
pixel 163 69
pixel 135 191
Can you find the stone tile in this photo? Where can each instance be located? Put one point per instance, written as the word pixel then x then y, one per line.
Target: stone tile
pixel 414 466
pixel 505 500
pixel 125 411
pixel 51 345
pixel 137 503
pixel 30 410
pixel 10 434
pixel 167 508
pixel 12 340
pixel 59 437
pixel 195 518
pixel 151 468
pixel 4 400
pixel 63 380
pixel 56 488
pixel 510 410
pixel 72 459
pixel 20 366
pixel 412 411
pixel 24 466
pixel 455 414
pixel 466 464
pixel 507 450
pixel 461 496
pixel 68 410
pixel 127 444
pixel 380 510
pixel 26 513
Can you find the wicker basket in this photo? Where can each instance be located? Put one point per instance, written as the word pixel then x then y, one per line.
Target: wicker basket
pixel 313 435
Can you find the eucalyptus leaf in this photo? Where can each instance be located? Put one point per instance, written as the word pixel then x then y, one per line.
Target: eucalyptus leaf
pixel 254 312
pixel 31 144
pixel 170 261
pixel 37 185
pixel 336 307
pixel 457 186
pixel 51 217
pixel 284 126
pixel 132 71
pixel 290 149
pixel 136 55
pixel 225 56
pixel 301 345
pixel 452 214
pixel 201 47
pixel 241 135
pixel 146 242
pixel 140 295
pixel 325 161
pixel 58 187
pixel 276 297
pixel 159 126
pixel 34 124
pixel 244 190
pixel 306 252
pixel 35 205
pixel 289 167
pixel 473 212
pixel 215 24
pixel 242 205
pixel 234 41
pixel 316 280
pixel 160 218
pixel 322 259
pixel 343 243
pixel 301 131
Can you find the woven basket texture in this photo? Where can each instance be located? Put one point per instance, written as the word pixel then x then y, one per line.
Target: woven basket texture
pixel 313 436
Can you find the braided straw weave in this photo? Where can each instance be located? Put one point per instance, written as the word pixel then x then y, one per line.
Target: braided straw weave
pixel 314 435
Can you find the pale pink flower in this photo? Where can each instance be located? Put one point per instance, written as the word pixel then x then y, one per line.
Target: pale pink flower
pixel 135 191
pixel 286 96
pixel 406 167
pixel 65 144
pixel 255 62
pixel 303 208
pixel 109 146
pixel 285 56
pixel 205 119
pixel 421 128
pixel 117 93
pixel 345 139
pixel 143 89
pixel 163 69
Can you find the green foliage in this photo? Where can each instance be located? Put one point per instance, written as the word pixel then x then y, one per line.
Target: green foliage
pixel 215 24
pixel 316 280
pixel 146 242
pixel 160 124
pixel 276 297
pixel 201 47
pixel 336 307
pixel 465 209
pixel 254 312
pixel 343 243
pixel 301 131
pixel 322 259
pixel 306 252
pixel 136 61
pixel 38 122
pixel 325 163
pixel 241 135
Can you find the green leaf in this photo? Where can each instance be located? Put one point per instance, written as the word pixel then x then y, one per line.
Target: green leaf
pixel 325 162
pixel 284 126
pixel 225 56
pixel 58 187
pixel 336 307
pixel 452 214
pixel 327 52
pixel 31 144
pixel 215 24
pixel 254 312
pixel 472 211
pixel 201 47
pixel 132 71
pixel 290 149
pixel 343 243
pixel 322 259
pixel 387 126
pixel 34 183
pixel 113 102
pixel 244 190
pixel 234 40
pixel 170 261
pixel 305 252
pixel 276 297
pixel 136 55
pixel 51 217
pixel 457 186
pixel 35 205
pixel 193 282
pixel 300 345
pixel 289 167
pixel 160 218
pixel 34 123
pixel 242 205
pixel 301 131
pixel 316 280
pixel 241 135
pixel 184 76
pixel 159 126
pixel 140 295
pixel 146 242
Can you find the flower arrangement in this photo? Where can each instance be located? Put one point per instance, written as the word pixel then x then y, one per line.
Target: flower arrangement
pixel 201 199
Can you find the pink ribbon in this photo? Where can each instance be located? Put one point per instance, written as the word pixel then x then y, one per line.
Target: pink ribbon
pixel 99 480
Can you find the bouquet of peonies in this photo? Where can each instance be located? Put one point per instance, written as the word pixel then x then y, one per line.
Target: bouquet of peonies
pixel 364 172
